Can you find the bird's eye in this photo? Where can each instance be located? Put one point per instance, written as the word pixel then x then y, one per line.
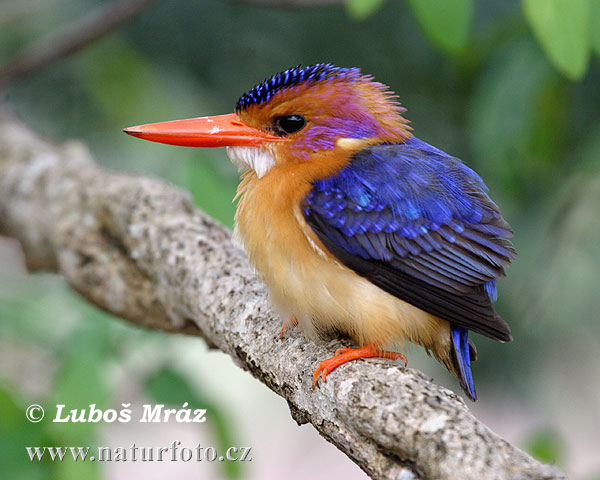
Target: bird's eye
pixel 288 124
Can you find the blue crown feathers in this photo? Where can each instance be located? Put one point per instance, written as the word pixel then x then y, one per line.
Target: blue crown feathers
pixel 264 91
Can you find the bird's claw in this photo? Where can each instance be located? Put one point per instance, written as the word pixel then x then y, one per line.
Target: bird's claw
pixel 292 322
pixel 344 355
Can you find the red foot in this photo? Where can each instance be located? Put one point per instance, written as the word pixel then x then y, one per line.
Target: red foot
pixel 289 324
pixel 344 355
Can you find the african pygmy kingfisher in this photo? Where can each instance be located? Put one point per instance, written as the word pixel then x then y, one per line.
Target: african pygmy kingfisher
pixel 356 226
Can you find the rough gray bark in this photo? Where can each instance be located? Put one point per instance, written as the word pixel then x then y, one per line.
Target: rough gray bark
pixel 137 248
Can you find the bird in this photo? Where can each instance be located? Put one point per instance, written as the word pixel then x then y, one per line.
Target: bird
pixel 357 227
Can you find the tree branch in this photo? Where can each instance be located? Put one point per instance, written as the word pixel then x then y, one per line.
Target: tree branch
pixel 72 38
pixel 136 247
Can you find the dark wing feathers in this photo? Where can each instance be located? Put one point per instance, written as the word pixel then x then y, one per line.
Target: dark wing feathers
pixel 417 223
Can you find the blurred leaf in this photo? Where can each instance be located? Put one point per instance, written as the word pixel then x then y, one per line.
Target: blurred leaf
pixel 27 300
pixel 81 382
pixel 362 9
pixel 169 387
pixel 563 29
pixel 69 469
pixel 547 446
pixel 590 151
pixel 16 433
pixel 211 189
pixel 515 121
pixel 113 58
pixel 595 16
pixel 447 23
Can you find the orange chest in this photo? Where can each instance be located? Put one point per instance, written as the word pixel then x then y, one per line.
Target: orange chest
pixel 269 222
pixel 269 217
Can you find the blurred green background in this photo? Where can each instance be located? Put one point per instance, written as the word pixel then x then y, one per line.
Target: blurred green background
pixel 511 87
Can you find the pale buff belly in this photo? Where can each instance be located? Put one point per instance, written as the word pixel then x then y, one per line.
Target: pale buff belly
pixel 327 297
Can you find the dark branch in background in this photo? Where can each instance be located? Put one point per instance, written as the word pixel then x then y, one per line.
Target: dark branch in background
pixel 136 247
pixel 15 10
pixel 73 38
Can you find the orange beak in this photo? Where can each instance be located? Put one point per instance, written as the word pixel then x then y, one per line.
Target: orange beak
pixel 220 131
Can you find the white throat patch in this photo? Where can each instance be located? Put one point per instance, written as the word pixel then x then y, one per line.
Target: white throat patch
pixel 258 159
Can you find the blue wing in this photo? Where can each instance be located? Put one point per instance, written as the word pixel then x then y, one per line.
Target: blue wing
pixel 419 224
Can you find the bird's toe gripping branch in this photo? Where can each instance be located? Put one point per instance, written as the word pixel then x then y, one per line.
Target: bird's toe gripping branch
pixel 344 355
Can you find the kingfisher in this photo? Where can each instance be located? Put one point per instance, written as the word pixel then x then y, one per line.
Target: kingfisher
pixel 357 227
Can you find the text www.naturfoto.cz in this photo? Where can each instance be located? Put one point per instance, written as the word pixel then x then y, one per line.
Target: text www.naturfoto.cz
pixel 173 453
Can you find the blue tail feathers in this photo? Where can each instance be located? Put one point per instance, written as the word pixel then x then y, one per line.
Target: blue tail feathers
pixel 462 360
